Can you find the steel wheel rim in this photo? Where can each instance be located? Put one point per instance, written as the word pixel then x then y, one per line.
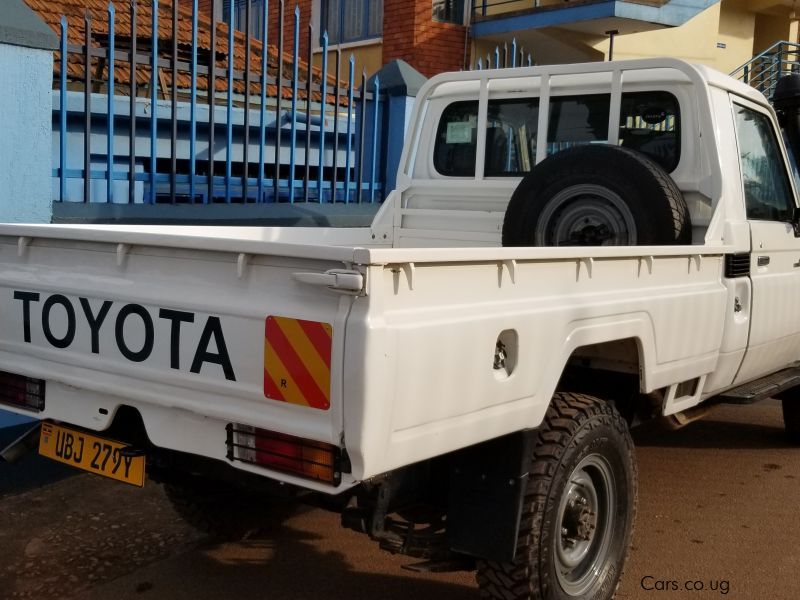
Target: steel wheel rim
pixel 586 215
pixel 585 523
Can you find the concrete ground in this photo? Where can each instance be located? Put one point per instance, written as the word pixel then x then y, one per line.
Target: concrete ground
pixel 717 507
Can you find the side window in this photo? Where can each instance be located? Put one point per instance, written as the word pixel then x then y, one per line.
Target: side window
pixel 649 122
pixel 511 137
pixel 577 120
pixel 456 140
pixel 767 193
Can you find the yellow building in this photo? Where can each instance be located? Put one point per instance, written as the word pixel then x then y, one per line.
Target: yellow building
pixel 723 34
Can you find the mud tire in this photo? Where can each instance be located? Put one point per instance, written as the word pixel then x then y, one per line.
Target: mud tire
pixel 576 428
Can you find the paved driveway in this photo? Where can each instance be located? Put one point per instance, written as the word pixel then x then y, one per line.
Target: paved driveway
pixel 717 510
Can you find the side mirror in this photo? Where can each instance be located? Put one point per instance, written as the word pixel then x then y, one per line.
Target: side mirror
pixel 796 221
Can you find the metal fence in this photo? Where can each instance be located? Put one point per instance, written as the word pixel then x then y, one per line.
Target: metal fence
pixel 262 133
pixel 505 57
pixel 763 70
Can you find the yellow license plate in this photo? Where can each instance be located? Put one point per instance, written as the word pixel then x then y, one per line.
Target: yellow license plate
pixel 90 453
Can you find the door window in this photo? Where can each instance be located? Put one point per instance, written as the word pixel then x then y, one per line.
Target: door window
pixel 767 193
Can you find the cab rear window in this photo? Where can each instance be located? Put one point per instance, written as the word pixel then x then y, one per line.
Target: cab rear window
pixel 649 123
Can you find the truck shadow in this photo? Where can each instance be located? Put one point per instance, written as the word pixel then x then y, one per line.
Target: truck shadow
pixel 289 562
pixel 31 471
pixel 758 426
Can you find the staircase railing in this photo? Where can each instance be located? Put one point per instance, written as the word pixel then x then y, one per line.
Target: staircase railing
pixel 763 71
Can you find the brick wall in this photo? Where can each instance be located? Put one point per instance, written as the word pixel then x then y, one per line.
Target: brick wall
pixel 411 34
pixel 288 25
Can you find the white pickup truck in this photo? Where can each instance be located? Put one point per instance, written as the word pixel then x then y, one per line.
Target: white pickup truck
pixel 569 250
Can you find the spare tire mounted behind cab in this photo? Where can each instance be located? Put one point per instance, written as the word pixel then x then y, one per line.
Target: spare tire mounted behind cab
pixel 597 195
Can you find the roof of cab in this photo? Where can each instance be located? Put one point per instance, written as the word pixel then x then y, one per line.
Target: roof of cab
pixel 655 70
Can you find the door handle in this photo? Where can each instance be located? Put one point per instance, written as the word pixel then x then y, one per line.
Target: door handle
pixel 763 261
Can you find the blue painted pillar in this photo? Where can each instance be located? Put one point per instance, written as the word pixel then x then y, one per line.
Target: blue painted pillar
pixel 26 103
pixel 399 84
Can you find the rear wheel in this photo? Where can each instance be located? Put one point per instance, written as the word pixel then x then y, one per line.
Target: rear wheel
pixel 579 508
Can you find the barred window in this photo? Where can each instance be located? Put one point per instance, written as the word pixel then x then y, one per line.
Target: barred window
pixel 239 20
pixel 352 20
pixel 449 11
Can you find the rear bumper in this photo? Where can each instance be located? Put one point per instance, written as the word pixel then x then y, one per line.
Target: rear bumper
pixel 166 427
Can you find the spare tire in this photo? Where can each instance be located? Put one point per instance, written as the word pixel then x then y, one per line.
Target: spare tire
pixel 597 195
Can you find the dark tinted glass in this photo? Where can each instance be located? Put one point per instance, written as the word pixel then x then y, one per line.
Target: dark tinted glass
pixel 456 140
pixel 511 136
pixel 576 120
pixel 649 122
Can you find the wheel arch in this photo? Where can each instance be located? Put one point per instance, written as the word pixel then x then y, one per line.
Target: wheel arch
pixel 623 345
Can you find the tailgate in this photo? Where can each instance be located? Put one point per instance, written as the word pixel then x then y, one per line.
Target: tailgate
pixel 193 339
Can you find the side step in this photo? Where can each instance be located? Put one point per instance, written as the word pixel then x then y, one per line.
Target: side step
pixel 761 389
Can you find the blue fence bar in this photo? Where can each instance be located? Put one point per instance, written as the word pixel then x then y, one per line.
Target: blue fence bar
pixel 350 80
pixel 514 52
pixel 276 177
pixel 87 108
pixel 336 94
pixel 229 113
pixel 262 108
pixel 374 142
pixel 132 107
pixel 517 52
pixel 293 145
pixel 361 135
pixel 309 90
pixel 154 105
pixel 161 164
pixel 110 109
pixel 323 100
pixel 173 147
pixel 62 113
pixel 211 88
pixel 246 142
pixel 193 108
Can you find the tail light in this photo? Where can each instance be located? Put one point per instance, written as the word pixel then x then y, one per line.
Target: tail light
pixel 21 392
pixel 286 453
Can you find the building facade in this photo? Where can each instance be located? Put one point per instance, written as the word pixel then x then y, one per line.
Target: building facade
pixel 431 35
pixel 440 35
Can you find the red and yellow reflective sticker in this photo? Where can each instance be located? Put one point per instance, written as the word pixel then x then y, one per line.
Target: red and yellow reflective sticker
pixel 297 362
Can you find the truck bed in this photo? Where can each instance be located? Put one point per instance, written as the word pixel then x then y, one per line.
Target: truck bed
pixel 411 366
